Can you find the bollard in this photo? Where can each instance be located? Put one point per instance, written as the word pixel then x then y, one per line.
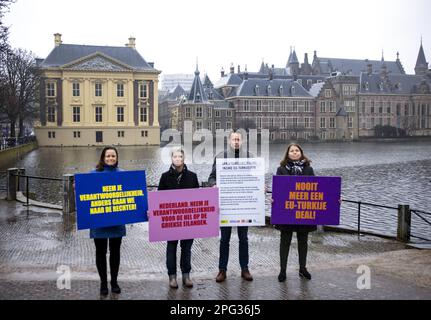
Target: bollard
pixel 12 183
pixel 404 223
pixel 68 194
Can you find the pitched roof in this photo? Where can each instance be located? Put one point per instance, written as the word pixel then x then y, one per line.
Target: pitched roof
pixel 197 92
pixel 393 84
pixel 421 61
pixel 355 66
pixel 67 53
pixel 231 79
pixel 248 88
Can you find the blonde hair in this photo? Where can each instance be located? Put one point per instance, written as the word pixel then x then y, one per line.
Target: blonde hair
pixel 178 149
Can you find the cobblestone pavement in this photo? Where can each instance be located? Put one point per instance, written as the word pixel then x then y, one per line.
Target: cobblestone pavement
pixel 34 243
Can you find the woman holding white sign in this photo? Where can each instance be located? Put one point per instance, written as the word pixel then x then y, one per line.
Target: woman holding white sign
pixel 294 163
pixel 108 163
pixel 178 177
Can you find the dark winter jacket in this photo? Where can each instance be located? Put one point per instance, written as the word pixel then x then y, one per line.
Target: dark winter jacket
pixel 307 171
pixel 172 179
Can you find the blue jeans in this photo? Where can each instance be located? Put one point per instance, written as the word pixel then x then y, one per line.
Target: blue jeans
pixel 224 247
pixel 186 256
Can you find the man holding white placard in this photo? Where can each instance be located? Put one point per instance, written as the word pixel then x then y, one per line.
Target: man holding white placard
pixel 240 179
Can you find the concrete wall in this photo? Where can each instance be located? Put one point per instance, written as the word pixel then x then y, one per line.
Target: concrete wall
pixel 13 154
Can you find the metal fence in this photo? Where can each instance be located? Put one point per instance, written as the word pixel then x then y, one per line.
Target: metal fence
pixel 420 214
pixel 6 143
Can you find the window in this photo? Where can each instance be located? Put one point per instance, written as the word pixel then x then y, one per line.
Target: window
pixel 283 106
pixel 363 107
pixel 143 114
pixel 388 110
pixel 50 89
pixel 144 133
pixel 76 113
pixel 372 109
pixel 98 112
pixel 51 114
pixel 120 114
pixel 307 122
pixel 349 90
pixel 210 126
pixel 98 90
pixel 259 123
pixel 76 134
pixel 258 105
pixel 332 123
pixel 143 91
pixel 322 107
pixel 210 112
pixel 217 113
pixel 188 112
pixel 283 123
pixel 307 106
pixel 299 81
pixel 295 106
pixel 292 90
pixel 120 90
pixel 350 122
pixel 323 135
pixel 246 105
pixel 328 93
pixel 198 125
pixel 388 121
pixel 331 106
pixel 295 122
pixel 99 136
pixel 217 125
pixel 229 113
pixel 75 90
pixel 199 112
pixel 322 122
pixel 51 134
pixel 120 134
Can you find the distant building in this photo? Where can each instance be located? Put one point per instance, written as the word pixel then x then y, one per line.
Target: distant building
pixel 170 81
pixel 97 95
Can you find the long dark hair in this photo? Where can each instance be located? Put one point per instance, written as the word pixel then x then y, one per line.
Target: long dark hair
pixel 286 158
pixel 101 164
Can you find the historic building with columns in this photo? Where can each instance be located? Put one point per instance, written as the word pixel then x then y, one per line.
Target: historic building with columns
pixel 96 96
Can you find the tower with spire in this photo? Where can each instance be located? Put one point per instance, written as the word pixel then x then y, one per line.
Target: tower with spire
pixel 421 67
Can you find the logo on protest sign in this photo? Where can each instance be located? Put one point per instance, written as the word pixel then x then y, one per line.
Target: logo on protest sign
pixel 305 200
pixel 196 215
pixel 110 199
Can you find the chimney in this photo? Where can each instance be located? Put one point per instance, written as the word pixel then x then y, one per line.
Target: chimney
pixel 132 43
pixel 232 69
pixel 369 68
pixel 222 72
pixel 246 73
pixel 57 39
pixel 306 58
pixel 239 69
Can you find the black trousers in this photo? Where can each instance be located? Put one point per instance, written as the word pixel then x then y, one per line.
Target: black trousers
pixel 114 258
pixel 286 239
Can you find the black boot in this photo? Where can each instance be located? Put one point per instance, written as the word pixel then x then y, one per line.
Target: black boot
pixel 104 291
pixel 282 276
pixel 303 273
pixel 115 288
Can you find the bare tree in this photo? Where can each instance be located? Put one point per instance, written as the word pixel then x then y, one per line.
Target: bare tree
pixel 19 79
pixel 4 30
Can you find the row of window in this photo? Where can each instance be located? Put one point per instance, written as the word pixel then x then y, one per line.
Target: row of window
pixel 217 125
pixel 199 113
pixel 98 90
pixel 413 110
pixel 98 112
pixel 99 135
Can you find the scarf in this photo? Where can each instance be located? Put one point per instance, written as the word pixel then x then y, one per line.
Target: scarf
pixel 295 167
pixel 178 175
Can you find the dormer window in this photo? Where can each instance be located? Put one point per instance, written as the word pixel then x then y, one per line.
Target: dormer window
pixel 256 89
pixel 269 89
pixel 292 90
pixel 367 86
pixel 280 90
pixel 381 86
pixel 198 97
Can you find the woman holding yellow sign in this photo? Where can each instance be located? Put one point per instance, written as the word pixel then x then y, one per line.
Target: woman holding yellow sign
pixel 108 163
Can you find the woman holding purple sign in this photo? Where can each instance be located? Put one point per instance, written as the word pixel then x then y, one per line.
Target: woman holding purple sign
pixel 108 163
pixel 178 177
pixel 294 163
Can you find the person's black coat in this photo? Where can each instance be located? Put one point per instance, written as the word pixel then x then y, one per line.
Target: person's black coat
pixel 307 171
pixel 171 180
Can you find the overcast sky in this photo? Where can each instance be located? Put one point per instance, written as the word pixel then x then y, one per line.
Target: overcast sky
pixel 220 32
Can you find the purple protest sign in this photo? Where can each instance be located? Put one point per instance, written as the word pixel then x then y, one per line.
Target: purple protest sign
pixel 183 214
pixel 306 200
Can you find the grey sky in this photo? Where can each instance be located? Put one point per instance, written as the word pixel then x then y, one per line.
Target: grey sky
pixel 221 32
